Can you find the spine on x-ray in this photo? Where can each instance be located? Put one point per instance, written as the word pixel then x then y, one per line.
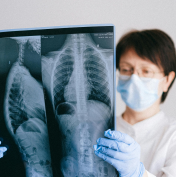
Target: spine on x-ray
pixel 81 65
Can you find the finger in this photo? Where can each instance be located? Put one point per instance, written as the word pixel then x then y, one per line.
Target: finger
pixel 1 155
pixel 115 154
pixel 3 149
pixel 108 143
pixel 114 144
pixel 110 160
pixel 117 135
pixel 112 153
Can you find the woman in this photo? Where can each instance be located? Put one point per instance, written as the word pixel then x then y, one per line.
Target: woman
pixel 145 143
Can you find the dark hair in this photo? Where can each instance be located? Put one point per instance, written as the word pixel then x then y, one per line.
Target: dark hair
pixel 154 45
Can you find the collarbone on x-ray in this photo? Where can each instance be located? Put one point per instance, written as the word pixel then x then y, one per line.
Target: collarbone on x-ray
pixel 79 83
pixel 24 113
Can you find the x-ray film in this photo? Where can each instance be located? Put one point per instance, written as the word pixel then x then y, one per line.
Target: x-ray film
pixel 58 97
pixel 24 106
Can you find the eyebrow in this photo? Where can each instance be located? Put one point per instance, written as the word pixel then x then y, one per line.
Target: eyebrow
pixel 124 63
pixel 131 65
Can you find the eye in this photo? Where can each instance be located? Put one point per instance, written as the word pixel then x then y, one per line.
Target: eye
pixel 125 70
pixel 147 72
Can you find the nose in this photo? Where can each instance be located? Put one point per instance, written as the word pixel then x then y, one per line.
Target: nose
pixel 135 72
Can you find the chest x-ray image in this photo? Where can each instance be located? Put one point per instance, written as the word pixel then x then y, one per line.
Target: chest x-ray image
pixel 78 77
pixel 57 98
pixel 24 107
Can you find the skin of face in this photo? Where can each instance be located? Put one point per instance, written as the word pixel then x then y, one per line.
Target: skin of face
pixel 130 58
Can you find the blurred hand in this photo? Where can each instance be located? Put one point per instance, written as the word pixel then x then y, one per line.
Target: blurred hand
pixel 2 150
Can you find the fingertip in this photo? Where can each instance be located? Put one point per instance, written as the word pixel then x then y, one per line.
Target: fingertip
pixel 98 140
pixel 107 133
pixel 96 152
pixel 95 147
pixel 4 149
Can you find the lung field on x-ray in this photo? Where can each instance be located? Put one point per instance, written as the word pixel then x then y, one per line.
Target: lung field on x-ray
pixel 78 78
pixel 24 109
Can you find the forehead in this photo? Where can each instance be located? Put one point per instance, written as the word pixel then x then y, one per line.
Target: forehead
pixel 130 57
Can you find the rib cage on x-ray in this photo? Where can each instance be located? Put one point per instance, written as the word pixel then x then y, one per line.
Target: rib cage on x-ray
pixel 24 113
pixel 78 81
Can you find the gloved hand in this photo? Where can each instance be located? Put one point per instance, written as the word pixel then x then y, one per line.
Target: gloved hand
pixel 121 151
pixel 2 150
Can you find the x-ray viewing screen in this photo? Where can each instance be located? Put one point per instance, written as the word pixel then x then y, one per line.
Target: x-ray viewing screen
pixel 57 98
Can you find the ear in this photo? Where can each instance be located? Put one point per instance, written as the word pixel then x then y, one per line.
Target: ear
pixel 168 81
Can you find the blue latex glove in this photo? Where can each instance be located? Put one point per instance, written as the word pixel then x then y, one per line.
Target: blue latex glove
pixel 122 152
pixel 2 150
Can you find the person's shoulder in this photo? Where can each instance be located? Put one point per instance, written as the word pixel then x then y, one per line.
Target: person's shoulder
pixel 171 124
pixel 169 128
pixel 171 120
pixel 167 122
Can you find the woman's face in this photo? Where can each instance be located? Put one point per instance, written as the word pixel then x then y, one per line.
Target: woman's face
pixel 130 61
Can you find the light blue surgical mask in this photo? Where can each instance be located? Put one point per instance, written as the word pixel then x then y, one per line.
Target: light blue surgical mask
pixel 139 93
